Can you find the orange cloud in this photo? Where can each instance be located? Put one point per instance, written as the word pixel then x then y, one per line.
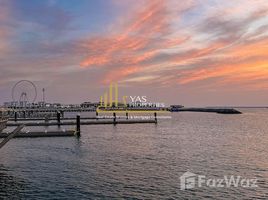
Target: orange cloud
pixel 241 71
pixel 143 36
pixel 146 40
pixel 246 62
pixel 199 53
pixel 122 72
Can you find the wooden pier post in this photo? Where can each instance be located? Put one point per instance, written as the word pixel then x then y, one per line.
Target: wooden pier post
pixel 155 117
pixel 97 115
pixel 114 118
pixel 127 115
pixel 46 119
pixel 62 113
pixel 78 126
pixel 58 118
pixel 16 116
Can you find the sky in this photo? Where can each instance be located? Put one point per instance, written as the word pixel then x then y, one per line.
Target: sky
pixel 191 52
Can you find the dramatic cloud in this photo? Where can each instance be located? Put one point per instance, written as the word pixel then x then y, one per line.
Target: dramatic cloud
pixel 194 45
pixel 229 44
pixel 143 36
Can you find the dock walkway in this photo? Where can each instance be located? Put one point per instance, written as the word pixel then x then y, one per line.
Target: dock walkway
pixel 66 123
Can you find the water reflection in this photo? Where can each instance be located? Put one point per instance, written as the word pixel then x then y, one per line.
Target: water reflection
pixel 140 161
pixel 11 187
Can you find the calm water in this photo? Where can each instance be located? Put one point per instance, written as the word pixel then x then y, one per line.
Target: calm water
pixel 141 161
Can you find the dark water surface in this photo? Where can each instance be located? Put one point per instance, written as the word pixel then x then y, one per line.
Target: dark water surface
pixel 141 161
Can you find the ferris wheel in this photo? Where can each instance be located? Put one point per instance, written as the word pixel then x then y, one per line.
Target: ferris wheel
pixel 24 91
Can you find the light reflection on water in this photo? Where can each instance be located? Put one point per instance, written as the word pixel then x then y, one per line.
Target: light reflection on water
pixel 141 161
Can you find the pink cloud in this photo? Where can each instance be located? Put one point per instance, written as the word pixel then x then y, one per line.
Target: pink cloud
pixel 143 36
pixel 147 40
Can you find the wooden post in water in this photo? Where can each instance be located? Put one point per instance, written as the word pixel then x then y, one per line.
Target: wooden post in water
pixel 62 113
pixel 16 116
pixel 155 117
pixel 46 118
pixel 97 115
pixel 58 118
pixel 78 126
pixel 114 118
pixel 127 115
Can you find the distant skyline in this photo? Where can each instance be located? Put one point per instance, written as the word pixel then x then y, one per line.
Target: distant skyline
pixel 192 52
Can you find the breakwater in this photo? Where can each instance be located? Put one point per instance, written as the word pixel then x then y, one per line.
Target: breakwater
pixel 213 110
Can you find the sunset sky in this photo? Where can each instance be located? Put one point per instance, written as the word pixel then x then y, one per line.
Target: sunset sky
pixel 191 52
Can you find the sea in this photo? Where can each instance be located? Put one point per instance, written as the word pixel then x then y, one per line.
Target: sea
pixel 187 156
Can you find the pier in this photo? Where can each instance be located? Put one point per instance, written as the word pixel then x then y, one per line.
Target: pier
pixel 41 134
pixel 32 112
pixel 103 122
pixel 53 119
pixel 11 135
pixel 77 122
